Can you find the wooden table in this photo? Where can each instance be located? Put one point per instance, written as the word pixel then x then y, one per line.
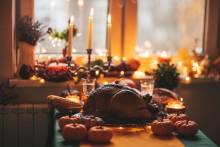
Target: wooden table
pixel 138 139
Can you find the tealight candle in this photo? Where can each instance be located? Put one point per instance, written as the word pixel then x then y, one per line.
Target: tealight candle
pixel 175 107
pixel 139 75
pixel 164 57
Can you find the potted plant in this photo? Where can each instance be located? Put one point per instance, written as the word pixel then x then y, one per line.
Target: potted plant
pixel 62 35
pixel 28 34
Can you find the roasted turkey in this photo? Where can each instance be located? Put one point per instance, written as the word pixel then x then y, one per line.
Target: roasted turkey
pixel 121 102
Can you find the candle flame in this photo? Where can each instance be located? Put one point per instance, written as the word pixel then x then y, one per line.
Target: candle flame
pixel 164 54
pixel 176 104
pixel 109 19
pixel 91 12
pixel 181 99
pixel 71 20
pixel 97 72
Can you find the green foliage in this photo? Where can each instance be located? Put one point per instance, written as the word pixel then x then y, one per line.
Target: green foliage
pixel 98 62
pixel 28 30
pixel 63 35
pixel 166 76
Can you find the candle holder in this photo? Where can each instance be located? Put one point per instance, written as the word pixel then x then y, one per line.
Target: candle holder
pixel 88 69
pixel 68 60
pixel 180 109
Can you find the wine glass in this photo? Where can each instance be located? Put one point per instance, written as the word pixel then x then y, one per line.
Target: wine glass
pixel 88 85
pixel 147 85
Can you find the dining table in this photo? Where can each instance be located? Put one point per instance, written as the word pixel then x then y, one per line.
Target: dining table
pixel 131 137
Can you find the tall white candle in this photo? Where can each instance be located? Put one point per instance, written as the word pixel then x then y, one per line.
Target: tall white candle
pixel 90 28
pixel 70 37
pixel 109 34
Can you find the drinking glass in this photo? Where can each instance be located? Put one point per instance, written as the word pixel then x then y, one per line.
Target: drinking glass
pixel 147 85
pixel 88 85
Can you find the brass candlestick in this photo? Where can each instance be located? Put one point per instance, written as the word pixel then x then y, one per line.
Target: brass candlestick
pixel 88 70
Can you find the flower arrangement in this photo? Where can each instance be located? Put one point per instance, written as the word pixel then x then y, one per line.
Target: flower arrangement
pixel 29 31
pixel 63 35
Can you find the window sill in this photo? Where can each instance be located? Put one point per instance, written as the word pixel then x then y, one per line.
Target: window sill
pixel 37 83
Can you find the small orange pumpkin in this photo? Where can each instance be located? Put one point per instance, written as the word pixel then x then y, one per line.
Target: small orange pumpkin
pixel 178 117
pixel 67 120
pixel 162 127
pixel 186 127
pixel 74 132
pixel 100 134
pixel 90 121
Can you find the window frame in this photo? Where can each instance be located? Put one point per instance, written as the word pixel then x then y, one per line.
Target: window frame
pixel 211 31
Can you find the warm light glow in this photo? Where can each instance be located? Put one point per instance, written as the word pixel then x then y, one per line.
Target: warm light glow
pixel 34 77
pixel 42 81
pixel 97 72
pixel 105 82
pixel 180 64
pixel 181 99
pixel 139 75
pixel 109 19
pixel 175 105
pixel 122 73
pixel 116 58
pixel 120 128
pixel 195 66
pixel 187 79
pixel 74 98
pixel 164 54
pixel 71 20
pixel 146 54
pixel 124 58
pixel 80 3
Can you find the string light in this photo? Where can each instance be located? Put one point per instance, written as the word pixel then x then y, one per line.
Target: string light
pixel 42 81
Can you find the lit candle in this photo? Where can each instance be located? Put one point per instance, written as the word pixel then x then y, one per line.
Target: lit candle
pixel 175 106
pixel 90 28
pixel 70 37
pixel 164 57
pixel 109 34
pixel 139 75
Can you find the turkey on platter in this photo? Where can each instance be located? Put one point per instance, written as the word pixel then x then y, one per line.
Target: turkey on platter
pixel 118 101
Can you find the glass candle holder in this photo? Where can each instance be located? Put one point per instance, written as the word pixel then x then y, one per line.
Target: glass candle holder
pixel 88 85
pixel 147 85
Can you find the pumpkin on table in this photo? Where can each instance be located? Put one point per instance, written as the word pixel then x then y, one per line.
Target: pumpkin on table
pixel 177 117
pixel 186 127
pixel 67 120
pixel 100 134
pixel 162 127
pixel 74 132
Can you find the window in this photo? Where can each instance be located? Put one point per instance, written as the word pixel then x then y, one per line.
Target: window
pixel 170 25
pixel 55 14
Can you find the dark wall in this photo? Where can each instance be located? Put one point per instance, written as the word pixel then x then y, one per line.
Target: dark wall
pixel 203 106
